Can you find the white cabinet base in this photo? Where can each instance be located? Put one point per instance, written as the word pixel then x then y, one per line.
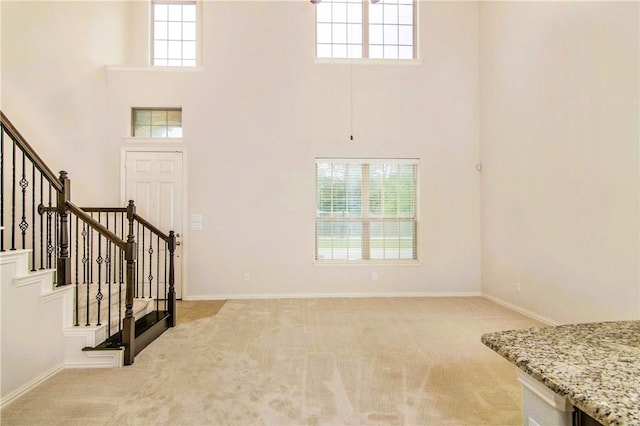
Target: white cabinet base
pixel 541 406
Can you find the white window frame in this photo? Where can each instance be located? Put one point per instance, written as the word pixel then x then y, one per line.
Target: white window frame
pixel 366 219
pixel 198 37
pixel 166 124
pixel 365 39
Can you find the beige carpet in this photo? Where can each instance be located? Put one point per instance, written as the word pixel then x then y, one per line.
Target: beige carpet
pixel 415 361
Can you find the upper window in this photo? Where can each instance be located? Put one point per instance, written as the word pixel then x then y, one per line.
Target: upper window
pixel 366 209
pixel 174 33
pixel 156 122
pixel 383 29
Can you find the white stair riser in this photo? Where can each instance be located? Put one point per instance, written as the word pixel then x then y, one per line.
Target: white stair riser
pixel 140 308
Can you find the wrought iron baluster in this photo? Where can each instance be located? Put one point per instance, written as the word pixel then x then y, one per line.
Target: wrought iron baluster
pixel 112 255
pixel 33 217
pixel 121 273
pixel 13 198
pixel 41 222
pixel 55 240
pixel 77 322
pixel 121 256
pixel 109 275
pixel 24 183
pixel 91 242
pixel 70 248
pixel 138 280
pixel 49 240
pixel 158 271
pixel 99 261
pixel 107 262
pixel 150 277
pixel 85 267
pixel 115 251
pixel 2 188
pixel 91 256
pixel 122 217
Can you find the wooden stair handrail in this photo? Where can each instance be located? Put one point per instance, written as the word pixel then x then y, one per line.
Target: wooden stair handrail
pixel 151 227
pixel 97 225
pixel 144 222
pixel 30 153
pixel 104 209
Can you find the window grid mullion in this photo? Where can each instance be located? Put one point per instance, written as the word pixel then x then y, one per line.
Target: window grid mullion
pixel 415 25
pixel 332 44
pixel 182 36
pixel 366 224
pixel 365 28
pixel 333 233
pixel 384 212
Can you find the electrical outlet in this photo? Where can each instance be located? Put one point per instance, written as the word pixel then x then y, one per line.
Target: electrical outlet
pixel 518 288
pixel 246 277
pixel 374 276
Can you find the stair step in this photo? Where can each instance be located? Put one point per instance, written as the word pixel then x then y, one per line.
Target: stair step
pixel 117 293
pixel 147 328
pixel 140 308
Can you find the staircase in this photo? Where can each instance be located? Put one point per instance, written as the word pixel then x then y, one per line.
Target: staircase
pixel 81 287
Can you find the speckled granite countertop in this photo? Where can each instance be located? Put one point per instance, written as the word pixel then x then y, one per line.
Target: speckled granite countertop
pixel 596 366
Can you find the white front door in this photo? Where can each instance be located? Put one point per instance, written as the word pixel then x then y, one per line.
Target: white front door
pixel 154 181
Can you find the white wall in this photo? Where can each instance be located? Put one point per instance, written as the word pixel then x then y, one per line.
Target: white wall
pixel 256 116
pixel 53 84
pixel 28 307
pixel 559 137
pixel 549 89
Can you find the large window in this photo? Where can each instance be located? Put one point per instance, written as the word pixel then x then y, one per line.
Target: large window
pixel 383 29
pixel 174 33
pixel 366 209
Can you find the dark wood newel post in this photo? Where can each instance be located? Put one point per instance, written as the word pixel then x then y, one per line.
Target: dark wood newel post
pixel 129 324
pixel 172 289
pixel 63 263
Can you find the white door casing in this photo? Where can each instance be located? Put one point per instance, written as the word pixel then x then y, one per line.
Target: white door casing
pixel 155 181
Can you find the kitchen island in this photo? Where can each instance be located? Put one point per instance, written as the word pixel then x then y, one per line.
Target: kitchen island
pixel 594 367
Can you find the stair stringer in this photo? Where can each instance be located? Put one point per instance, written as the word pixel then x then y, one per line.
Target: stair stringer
pixel 79 338
pixel 75 339
pixel 37 286
pixel 32 319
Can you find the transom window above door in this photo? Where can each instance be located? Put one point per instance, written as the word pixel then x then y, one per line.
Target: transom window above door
pixel 156 122
pixel 377 29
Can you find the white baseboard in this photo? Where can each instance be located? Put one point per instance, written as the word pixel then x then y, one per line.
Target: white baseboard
pixel 106 358
pixel 324 295
pixel 6 399
pixel 520 310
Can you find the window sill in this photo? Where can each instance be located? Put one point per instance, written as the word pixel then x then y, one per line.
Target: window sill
pixel 152 68
pixel 367 61
pixel 376 263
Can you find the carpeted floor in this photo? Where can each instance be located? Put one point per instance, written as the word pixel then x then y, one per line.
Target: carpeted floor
pixel 397 361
